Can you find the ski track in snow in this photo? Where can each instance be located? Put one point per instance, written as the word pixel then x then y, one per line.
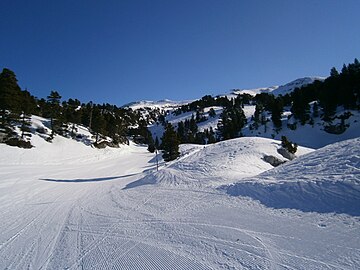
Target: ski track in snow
pixel 83 215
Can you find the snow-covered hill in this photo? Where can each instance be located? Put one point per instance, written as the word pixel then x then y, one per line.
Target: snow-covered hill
pixel 160 104
pixel 66 205
pixel 220 163
pixel 327 180
pixel 312 134
pixel 280 90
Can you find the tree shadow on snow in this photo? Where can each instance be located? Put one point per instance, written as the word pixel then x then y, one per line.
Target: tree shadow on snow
pixel 79 180
pixel 317 196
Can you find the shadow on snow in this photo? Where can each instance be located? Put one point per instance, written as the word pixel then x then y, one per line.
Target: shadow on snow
pixel 316 196
pixel 79 180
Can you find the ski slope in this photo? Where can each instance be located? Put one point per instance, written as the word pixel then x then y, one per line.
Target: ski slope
pixel 66 205
pixel 325 181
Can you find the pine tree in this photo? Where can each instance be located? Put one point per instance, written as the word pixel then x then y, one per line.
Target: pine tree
pixel 27 107
pixel 72 114
pixel 170 143
pixel 334 72
pixel 54 103
pixel 98 123
pixel 10 95
pixel 288 145
pixel 212 112
pixel 277 109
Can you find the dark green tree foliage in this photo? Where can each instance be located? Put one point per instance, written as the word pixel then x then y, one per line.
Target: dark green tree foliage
pixel 170 143
pixel 277 109
pixel 258 116
pixel 300 107
pixel 72 114
pixel 186 130
pixel 333 72
pixel 54 104
pixel 16 107
pixel 27 106
pixel 10 100
pixel 232 121
pixel 98 123
pixel 205 137
pixel 212 112
pixel 288 145
pixel 142 135
pixel 200 116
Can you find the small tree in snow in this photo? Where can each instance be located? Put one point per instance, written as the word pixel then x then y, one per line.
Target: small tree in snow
pixel 170 143
pixel 288 145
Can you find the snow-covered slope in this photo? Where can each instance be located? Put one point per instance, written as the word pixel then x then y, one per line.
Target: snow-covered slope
pixel 282 89
pixel 65 205
pixel 161 104
pixel 298 83
pixel 327 180
pixel 219 163
pixel 313 136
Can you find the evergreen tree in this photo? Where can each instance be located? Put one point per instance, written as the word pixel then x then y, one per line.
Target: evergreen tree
pixel 27 106
pixel 334 72
pixel 277 109
pixel 98 123
pixel 10 95
pixel 232 121
pixel 72 114
pixel 212 112
pixel 288 145
pixel 181 132
pixel 170 143
pixel 54 102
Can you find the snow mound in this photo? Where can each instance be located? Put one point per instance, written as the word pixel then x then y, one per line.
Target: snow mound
pixel 220 163
pixel 327 180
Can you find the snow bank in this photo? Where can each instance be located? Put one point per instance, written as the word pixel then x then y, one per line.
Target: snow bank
pixel 327 180
pixel 220 163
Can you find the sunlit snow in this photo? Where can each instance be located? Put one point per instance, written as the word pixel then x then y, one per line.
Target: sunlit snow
pixel 66 205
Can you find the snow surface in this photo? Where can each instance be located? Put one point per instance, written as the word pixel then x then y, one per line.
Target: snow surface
pixel 312 136
pixel 65 205
pixel 161 104
pixel 220 163
pixel 280 90
pixel 327 180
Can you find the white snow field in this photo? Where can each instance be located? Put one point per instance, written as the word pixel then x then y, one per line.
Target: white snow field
pixel 65 205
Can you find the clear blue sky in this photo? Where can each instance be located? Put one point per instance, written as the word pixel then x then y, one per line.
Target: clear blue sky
pixel 120 51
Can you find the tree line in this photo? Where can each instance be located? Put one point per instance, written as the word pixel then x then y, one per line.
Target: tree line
pixel 17 106
pixel 319 99
pixel 339 89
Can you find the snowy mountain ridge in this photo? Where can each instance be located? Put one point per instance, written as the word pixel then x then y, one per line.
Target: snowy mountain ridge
pixel 276 90
pixel 65 205
pixel 161 104
pixel 239 203
pixel 282 89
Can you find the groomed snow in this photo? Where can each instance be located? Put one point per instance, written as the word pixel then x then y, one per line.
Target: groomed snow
pixel 327 180
pixel 66 205
pixel 220 163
